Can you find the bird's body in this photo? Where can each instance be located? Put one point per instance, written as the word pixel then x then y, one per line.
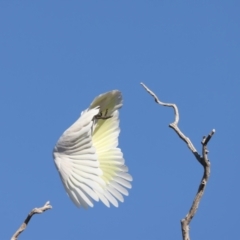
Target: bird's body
pixel 89 162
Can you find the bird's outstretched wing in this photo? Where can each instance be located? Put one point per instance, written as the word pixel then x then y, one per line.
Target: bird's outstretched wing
pixel 89 163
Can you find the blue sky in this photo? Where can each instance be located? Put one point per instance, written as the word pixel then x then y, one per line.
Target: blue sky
pixel 56 56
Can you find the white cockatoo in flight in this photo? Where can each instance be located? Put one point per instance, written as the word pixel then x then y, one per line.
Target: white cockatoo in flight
pixel 87 157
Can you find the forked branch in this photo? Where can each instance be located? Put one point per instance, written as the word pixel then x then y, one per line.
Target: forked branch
pixel 26 221
pixel 203 160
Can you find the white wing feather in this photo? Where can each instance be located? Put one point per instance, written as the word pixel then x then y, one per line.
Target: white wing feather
pixel 89 163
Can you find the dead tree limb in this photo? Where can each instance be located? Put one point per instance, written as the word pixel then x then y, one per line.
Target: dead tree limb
pixel 26 221
pixel 203 160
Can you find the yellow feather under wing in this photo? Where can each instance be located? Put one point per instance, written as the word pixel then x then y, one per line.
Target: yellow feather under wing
pixel 111 161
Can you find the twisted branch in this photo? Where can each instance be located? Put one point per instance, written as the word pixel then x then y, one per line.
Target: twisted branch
pixel 203 160
pixel 25 223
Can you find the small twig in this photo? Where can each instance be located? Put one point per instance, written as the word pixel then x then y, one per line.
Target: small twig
pixel 25 223
pixel 174 125
pixel 203 160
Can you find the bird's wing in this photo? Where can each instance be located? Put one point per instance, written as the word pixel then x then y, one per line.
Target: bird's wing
pixel 90 164
pixel 76 161
pixel 110 157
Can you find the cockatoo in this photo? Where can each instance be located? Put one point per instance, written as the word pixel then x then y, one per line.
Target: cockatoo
pixel 87 157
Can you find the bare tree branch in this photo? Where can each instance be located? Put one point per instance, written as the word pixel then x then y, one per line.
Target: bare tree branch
pixel 203 160
pixel 25 223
